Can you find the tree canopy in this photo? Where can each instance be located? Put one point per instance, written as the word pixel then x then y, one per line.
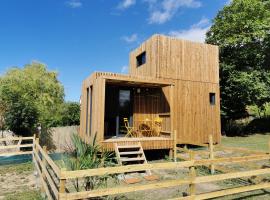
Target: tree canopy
pixel 31 95
pixel 241 30
pixel 70 114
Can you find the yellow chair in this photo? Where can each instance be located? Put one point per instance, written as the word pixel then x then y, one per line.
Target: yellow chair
pixel 130 130
pixel 157 126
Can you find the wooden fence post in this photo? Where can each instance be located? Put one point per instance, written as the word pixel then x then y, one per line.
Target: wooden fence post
pixel 174 146
pixel 211 151
pixel 62 183
pixel 269 147
pixel 37 141
pixel 36 145
pixel 192 175
pixel 33 147
pixel 44 163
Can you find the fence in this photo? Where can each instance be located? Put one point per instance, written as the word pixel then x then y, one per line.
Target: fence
pixel 54 180
pixel 15 149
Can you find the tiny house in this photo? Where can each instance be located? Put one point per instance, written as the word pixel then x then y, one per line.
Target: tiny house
pixel 174 80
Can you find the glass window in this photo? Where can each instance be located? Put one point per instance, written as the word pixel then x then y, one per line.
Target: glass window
pixel 141 59
pixel 212 98
pixel 87 110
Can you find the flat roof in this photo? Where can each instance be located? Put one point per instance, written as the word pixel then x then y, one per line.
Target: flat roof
pixel 123 79
pixel 137 82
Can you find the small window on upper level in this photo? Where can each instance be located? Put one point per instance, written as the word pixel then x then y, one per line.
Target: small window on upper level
pixel 212 98
pixel 141 59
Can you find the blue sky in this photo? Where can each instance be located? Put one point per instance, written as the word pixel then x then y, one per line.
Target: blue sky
pixel 77 37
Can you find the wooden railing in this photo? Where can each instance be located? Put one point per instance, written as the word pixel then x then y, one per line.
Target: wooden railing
pixel 48 171
pixel 54 181
pixel 15 148
pixel 192 180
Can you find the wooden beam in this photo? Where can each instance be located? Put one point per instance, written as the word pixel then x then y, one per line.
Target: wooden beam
pixel 62 185
pixel 15 138
pixel 124 169
pixel 157 166
pixel 15 146
pixel 119 190
pixel 174 145
pixel 192 175
pixel 45 175
pixel 225 192
pixel 16 153
pixel 49 160
pixel 211 153
pixel 43 183
pixel 233 175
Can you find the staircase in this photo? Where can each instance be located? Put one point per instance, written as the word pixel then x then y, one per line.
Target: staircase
pixel 130 154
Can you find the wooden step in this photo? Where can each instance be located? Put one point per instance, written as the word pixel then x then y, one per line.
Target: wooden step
pixel 132 180
pixel 131 153
pixel 128 146
pixel 132 159
pixel 151 177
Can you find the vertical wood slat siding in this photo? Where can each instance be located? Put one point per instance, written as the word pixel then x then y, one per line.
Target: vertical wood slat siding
pixel 98 108
pixel 145 107
pixel 98 82
pixel 194 69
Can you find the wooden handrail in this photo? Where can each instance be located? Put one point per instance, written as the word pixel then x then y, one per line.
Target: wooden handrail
pixel 171 183
pixel 52 164
pixel 126 189
pixel 15 138
pixel 46 173
pixel 157 166
pixel 15 146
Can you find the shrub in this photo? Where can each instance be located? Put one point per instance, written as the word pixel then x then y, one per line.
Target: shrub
pixel 81 156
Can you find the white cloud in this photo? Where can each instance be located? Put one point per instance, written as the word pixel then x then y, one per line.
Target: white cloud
pixel 124 4
pixel 197 32
pixel 161 12
pixel 130 39
pixel 74 3
pixel 124 69
pixel 229 2
pixel 202 23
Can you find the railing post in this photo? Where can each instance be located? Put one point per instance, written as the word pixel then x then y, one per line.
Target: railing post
pixel 269 147
pixel 37 142
pixel 62 183
pixel 174 145
pixel 192 175
pixel 44 163
pixel 33 147
pixel 211 153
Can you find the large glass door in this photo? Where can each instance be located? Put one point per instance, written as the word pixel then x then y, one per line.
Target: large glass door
pixel 118 105
pixel 125 110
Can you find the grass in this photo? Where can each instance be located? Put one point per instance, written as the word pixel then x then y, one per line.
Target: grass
pixel 25 195
pixel 16 168
pixel 253 142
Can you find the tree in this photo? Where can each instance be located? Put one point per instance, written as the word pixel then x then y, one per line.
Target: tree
pixel 71 114
pixel 2 118
pixel 241 30
pixel 31 95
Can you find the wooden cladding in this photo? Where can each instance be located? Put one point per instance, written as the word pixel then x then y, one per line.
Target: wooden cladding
pixel 195 118
pixel 172 58
pixel 185 73
pixel 194 69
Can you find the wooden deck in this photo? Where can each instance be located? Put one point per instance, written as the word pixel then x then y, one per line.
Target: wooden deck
pixel 148 143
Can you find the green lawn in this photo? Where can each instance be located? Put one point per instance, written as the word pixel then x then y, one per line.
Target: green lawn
pixel 16 168
pixel 253 142
pixel 25 195
pixel 17 182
